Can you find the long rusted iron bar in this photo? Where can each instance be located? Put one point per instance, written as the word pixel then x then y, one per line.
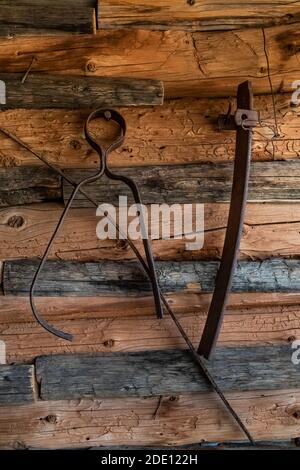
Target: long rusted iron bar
pixel 244 120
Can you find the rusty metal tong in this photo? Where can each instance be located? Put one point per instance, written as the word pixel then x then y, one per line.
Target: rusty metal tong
pixel 104 169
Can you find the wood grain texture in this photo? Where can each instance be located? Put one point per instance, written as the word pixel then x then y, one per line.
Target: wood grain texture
pixel 190 64
pixel 182 419
pixel 269 230
pixel 54 18
pixel 115 324
pixel 156 373
pixel 28 185
pixel 54 91
pixel 199 16
pixel 201 183
pixel 16 384
pixel 180 131
pixel 68 278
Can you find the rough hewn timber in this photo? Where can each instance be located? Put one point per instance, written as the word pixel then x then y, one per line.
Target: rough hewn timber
pixel 155 373
pixel 16 384
pixel 67 278
pixel 190 64
pixel 269 230
pixel 180 131
pixel 28 185
pixel 196 16
pixel 56 17
pixel 46 91
pixel 115 324
pixel 182 419
pixel 201 183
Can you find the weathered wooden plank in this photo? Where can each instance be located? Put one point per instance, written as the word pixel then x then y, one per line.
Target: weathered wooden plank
pixel 290 444
pixel 55 91
pixel 269 230
pixel 121 324
pixel 16 384
pixel 181 420
pixel 28 185
pixel 189 64
pixel 48 18
pixel 180 131
pixel 115 375
pixel 195 16
pixel 68 278
pixel 201 183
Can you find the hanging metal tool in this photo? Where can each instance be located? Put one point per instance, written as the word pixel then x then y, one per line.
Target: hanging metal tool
pixel 243 121
pixel 104 169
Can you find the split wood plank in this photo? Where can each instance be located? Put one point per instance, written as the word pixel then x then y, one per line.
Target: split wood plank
pixel 182 419
pixel 32 17
pixel 16 384
pixel 156 373
pixel 56 91
pixel 269 230
pixel 26 185
pixel 68 278
pixel 195 16
pixel 207 64
pixel 115 324
pixel 202 183
pixel 180 131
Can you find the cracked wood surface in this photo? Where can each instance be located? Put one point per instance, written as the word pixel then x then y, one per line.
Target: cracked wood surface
pixel 202 183
pixel 180 131
pixel 160 373
pixel 202 15
pixel 19 185
pixel 201 64
pixel 55 91
pixel 182 419
pixel 112 324
pixel 269 230
pixel 69 278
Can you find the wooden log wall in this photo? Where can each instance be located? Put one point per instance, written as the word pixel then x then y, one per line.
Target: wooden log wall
pixel 192 56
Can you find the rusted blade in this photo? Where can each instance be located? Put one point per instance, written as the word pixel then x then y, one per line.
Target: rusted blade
pixel 234 228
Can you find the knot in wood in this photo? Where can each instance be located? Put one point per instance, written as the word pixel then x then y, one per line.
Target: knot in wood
pixel 109 343
pixel 16 221
pixel 91 67
pixel 51 419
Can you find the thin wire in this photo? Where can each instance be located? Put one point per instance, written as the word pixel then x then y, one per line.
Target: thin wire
pixel 197 358
pixel 270 83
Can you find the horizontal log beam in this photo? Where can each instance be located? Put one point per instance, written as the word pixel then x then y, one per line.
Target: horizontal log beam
pixel 143 374
pixel 269 230
pixel 115 324
pixel 190 64
pixel 195 16
pixel 201 183
pixel 55 91
pixel 182 419
pixel 180 131
pixel 28 185
pixel 55 18
pixel 66 278
pixel 16 384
